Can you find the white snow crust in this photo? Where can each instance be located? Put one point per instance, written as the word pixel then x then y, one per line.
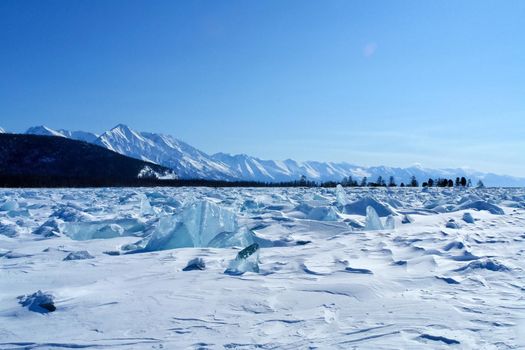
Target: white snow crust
pixel 325 276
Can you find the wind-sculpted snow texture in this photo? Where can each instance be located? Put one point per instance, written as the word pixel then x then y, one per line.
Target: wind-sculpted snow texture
pixel 284 268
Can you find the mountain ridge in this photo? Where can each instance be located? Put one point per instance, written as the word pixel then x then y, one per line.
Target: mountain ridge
pixel 185 160
pixel 189 162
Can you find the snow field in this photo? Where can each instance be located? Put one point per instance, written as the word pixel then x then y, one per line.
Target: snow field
pixel 329 276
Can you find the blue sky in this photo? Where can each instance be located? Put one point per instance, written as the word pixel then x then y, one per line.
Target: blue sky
pixel 440 83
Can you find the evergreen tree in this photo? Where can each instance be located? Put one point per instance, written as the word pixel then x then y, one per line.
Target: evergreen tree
pixel 380 182
pixel 413 182
pixel 303 181
pixel 391 182
pixel 442 182
pixel 463 181
pixel 364 181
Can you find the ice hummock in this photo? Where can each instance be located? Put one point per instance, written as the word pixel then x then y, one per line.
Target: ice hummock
pixel 82 231
pixel 468 218
pixel 241 238
pixel 319 213
pixel 372 222
pixel 340 195
pixel 7 229
pixel 71 213
pixel 482 205
pixel 79 255
pixel 200 224
pixel 407 219
pixel 145 206
pixel 195 264
pixel 50 228
pixel 251 205
pixel 247 260
pixel 360 206
pixel 484 264
pixel 38 302
pixel 9 205
pixel 452 224
pixel 390 223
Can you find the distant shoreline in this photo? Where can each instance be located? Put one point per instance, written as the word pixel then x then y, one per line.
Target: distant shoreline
pixel 23 182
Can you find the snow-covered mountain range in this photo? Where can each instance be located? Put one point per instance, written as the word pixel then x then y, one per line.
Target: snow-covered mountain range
pixel 75 135
pixel 189 162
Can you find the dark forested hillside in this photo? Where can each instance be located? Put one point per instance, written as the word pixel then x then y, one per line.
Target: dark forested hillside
pixel 27 160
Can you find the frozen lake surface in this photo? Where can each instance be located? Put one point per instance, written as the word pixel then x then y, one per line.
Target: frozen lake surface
pixel 144 268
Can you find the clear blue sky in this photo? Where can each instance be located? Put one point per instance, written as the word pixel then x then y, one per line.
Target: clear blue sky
pixel 441 83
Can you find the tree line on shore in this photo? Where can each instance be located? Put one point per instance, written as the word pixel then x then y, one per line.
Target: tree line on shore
pixel 381 182
pixel 58 181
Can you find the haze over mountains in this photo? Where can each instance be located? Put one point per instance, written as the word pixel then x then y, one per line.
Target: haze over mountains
pixel 189 162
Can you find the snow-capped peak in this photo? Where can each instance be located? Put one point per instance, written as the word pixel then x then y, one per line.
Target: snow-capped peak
pixel 75 135
pixel 44 130
pixel 79 135
pixel 124 140
pixel 122 129
pixel 2 131
pixel 187 161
